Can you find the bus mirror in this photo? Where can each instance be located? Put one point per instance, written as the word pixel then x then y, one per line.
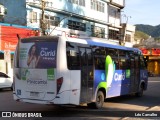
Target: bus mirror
pixel 146 60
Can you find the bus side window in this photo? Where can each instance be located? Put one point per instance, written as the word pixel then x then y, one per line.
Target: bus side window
pixel 124 60
pixel 127 60
pixel 73 62
pixel 99 58
pixel 100 63
pixel 122 63
pixel 114 55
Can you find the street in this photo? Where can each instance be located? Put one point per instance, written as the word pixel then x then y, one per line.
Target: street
pixel 149 102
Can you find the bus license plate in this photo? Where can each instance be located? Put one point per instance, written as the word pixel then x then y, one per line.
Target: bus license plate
pixel 34 94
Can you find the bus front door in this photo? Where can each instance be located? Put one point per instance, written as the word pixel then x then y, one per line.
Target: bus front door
pixel 86 60
pixel 137 72
pixel 134 79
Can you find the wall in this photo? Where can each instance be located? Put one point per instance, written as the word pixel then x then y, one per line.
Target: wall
pixel 120 3
pixel 63 8
pixel 16 11
pixel 8 36
pixel 80 10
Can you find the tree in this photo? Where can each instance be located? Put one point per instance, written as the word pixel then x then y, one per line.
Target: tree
pixel 141 35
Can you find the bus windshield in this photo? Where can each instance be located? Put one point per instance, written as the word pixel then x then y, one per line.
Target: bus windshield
pixel 41 54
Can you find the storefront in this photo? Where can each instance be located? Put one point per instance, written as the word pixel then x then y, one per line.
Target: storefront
pixel 8 43
pixel 153 63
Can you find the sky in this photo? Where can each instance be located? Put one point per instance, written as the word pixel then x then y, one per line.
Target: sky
pixel 141 12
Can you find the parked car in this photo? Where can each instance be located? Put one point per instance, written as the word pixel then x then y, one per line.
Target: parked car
pixel 5 81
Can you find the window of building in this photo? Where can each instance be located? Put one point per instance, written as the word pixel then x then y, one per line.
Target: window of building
pixel 76 25
pixel 33 17
pixel 2 56
pixel 128 38
pixel 97 5
pixel 82 2
pixel 113 34
pixel 98 31
pixel 114 12
pixel 78 2
pixel 0 9
pixel 52 20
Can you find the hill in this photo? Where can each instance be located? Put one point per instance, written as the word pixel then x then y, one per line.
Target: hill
pixel 153 31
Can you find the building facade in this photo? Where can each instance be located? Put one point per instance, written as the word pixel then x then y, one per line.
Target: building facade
pixel 114 18
pixel 153 60
pixel 127 34
pixel 77 17
pixel 91 18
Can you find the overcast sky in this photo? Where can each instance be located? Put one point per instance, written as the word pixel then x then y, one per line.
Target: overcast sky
pixel 142 12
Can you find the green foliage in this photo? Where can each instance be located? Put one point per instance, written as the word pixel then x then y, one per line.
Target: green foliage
pixel 141 35
pixel 153 31
pixel 157 39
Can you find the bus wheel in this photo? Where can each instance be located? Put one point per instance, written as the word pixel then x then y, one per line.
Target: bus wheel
pixel 140 92
pixel 99 100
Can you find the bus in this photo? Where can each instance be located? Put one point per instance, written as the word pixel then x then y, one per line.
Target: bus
pixel 74 71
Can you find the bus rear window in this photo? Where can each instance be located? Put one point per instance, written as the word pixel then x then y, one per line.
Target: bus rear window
pixel 37 54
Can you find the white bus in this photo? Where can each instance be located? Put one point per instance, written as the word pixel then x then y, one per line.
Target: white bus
pixel 62 70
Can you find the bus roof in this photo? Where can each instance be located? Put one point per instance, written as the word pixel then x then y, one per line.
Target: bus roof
pixel 81 40
pixel 102 44
pixel 39 38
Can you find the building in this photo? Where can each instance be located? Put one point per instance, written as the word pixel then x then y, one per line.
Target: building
pixel 13 12
pixel 114 19
pixel 76 17
pixel 91 18
pixel 153 60
pixel 127 34
pixel 151 51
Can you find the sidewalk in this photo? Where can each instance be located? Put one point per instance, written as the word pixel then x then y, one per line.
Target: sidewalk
pixel 155 108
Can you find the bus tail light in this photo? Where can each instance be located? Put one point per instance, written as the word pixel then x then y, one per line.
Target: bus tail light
pixel 59 83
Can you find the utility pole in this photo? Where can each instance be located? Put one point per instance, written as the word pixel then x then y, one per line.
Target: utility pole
pixel 42 20
pixel 125 28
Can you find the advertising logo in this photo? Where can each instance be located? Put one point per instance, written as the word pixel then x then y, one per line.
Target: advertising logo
pixel 119 77
pixel 20 115
pixel 6 114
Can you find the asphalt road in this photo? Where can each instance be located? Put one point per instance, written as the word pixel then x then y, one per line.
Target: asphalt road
pixel 112 107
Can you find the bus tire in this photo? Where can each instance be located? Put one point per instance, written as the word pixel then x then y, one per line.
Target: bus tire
pixel 140 92
pixel 99 100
